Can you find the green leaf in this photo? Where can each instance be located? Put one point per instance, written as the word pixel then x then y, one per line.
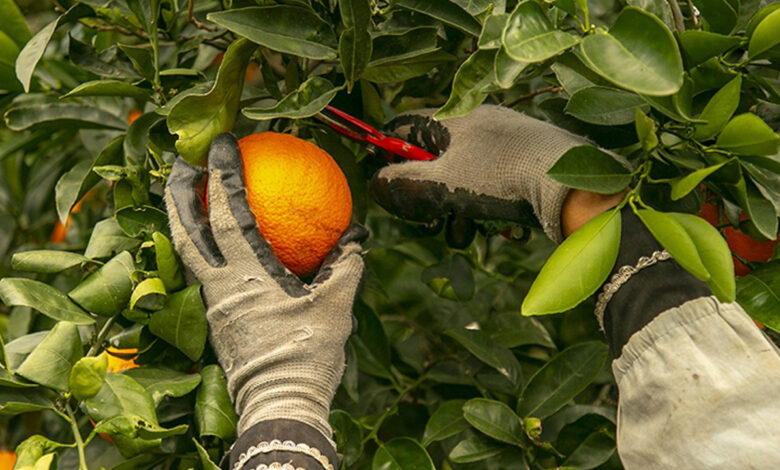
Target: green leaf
pixel 511 329
pixel 759 294
pixel 213 409
pixel 685 184
pixel 747 134
pixel 492 30
pixel 15 401
pixel 700 46
pixel 588 168
pixel 182 322
pixel 472 78
pixel 370 342
pixel 474 449
pixel 137 137
pixel 401 46
pixel 604 106
pixel 720 14
pixel 36 453
pixel 149 294
pixel 205 459
pixel 446 421
pixel 43 298
pixel 162 382
pixel 135 221
pixel 714 253
pixel 719 110
pixel 645 130
pixel 109 88
pixel 452 278
pixel 310 98
pixel 759 17
pixel 107 290
pixel 348 435
pixel 400 71
pixel 198 118
pixel 638 53
pixel 480 345
pixel 8 52
pixel 445 11
pixel 529 36
pixel 282 28
pixel 142 59
pixel 659 8
pixel 87 375
pixel 562 378
pixel 107 238
pixel 760 211
pixel 14 24
pixel 494 419
pixel 354 52
pixel 50 362
pixel 131 426
pixel 75 183
pixel 61 115
pixel 582 262
pixel 168 267
pixel 401 453
pixel 46 261
pixel 675 239
pixel 593 451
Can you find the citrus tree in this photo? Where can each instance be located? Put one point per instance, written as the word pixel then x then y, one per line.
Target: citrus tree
pixel 104 358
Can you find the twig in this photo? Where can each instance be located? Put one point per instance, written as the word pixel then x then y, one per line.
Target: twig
pixel 118 29
pixel 548 89
pixel 103 332
pixel 191 18
pixel 77 435
pixel 677 15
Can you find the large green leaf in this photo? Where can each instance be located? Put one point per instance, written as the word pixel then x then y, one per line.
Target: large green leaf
pixel 50 362
pixel 492 30
pixel 721 15
pixel 530 36
pixel 445 11
pixel 403 45
pixel 354 52
pixel 468 86
pixel 162 382
pixel 348 434
pixel 182 322
pixel 675 239
pixel 402 453
pixel 747 134
pixel 402 70
pixel 198 118
pixel 149 294
pixel 46 261
pixel 36 453
pixel 109 88
pixel 604 106
pixel 474 449
pixel 14 24
pixel 588 168
pixel 87 376
pixel 494 419
pixel 685 184
pixel 137 137
pixel 107 290
pixel 719 110
pixel 759 294
pixel 583 261
pixel 288 29
pixel 562 378
pixel 714 253
pixel 700 46
pixel 62 114
pixel 15 401
pixel 480 344
pixel 43 298
pixel 761 212
pixel 638 53
pixel 107 239
pixel 309 99
pixel 213 409
pixel 511 329
pixel 8 52
pixel 593 451
pixel 446 421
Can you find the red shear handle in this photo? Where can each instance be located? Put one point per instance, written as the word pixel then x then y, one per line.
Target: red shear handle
pixel 401 148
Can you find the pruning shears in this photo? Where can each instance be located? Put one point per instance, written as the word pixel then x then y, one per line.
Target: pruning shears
pixel 354 128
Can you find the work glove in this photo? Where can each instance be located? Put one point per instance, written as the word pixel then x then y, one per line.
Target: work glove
pixel 280 341
pixel 491 164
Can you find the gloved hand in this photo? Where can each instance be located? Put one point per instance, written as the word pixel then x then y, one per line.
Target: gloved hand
pixel 492 164
pixel 279 340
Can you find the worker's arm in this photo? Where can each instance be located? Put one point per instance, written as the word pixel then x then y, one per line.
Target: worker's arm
pixel 697 379
pixel 280 341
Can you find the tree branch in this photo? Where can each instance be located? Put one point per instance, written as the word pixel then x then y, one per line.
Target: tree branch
pixel 549 89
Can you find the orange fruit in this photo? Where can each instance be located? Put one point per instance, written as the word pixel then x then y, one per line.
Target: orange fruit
pixel 299 196
pixel 61 231
pixel 7 459
pixel 121 359
pixel 133 115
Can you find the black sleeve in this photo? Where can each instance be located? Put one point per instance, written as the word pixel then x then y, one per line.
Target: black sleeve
pixel 308 448
pixel 647 293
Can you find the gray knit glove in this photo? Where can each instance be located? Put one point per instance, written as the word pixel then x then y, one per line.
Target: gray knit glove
pixel 492 164
pixel 279 340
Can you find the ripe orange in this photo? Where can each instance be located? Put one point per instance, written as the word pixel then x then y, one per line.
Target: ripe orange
pixel 299 196
pixel 121 359
pixel 7 459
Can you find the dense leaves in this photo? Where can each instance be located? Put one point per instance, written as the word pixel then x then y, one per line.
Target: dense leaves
pixel 445 369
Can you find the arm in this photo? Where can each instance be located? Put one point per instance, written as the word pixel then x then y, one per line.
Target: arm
pixel 279 341
pixel 695 377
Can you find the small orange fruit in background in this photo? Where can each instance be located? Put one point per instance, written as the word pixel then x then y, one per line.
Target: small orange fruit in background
pixel 121 359
pixel 133 115
pixel 7 459
pixel 299 196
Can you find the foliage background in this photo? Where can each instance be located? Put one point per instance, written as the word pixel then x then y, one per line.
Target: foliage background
pixel 444 370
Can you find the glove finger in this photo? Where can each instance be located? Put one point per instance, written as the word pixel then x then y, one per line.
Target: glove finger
pixel 420 129
pixel 343 267
pixel 187 218
pixel 232 221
